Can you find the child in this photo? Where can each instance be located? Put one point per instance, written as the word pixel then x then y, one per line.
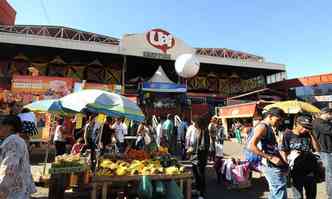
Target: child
pixel 78 146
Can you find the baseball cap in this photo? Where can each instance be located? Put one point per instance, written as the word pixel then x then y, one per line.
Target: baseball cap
pixel 326 110
pixel 275 111
pixel 305 121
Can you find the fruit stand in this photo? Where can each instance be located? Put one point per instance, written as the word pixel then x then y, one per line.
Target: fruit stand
pixel 125 176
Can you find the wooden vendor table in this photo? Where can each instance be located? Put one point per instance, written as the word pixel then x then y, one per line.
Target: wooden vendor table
pixel 105 182
pixel 60 180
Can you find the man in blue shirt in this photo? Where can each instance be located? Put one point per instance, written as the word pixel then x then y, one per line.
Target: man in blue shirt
pixel 168 132
pixel 181 134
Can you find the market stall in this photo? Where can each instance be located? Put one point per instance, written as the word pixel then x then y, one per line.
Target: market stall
pixel 155 170
pixel 153 163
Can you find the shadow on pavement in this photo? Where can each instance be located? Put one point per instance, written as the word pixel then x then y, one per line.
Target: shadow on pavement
pixel 258 189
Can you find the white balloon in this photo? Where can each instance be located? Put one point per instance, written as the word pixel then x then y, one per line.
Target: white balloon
pixel 187 65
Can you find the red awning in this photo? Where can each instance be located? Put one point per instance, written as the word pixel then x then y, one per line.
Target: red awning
pixel 238 111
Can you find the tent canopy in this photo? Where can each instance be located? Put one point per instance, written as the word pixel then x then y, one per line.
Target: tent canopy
pixel 160 77
pixel 159 82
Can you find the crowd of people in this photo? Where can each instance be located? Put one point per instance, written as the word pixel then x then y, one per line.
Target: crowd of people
pixel 298 154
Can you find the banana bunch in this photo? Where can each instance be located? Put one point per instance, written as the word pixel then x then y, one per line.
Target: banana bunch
pixel 104 172
pixel 173 170
pixel 67 161
pixel 121 171
pixel 136 167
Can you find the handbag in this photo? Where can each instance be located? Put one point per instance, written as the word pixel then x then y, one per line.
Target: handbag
pixel 219 150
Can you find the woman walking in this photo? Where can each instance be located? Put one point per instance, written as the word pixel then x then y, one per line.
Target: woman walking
pixel 15 173
pixel 59 138
pixel 199 148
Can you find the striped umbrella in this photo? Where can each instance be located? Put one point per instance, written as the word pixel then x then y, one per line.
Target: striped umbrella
pixel 50 106
pixel 100 101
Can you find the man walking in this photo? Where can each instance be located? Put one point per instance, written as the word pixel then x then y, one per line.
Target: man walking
pixel 322 127
pixel 275 169
pixel 120 132
pixel 168 133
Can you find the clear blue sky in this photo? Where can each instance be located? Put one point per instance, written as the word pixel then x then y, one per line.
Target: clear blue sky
pixel 297 33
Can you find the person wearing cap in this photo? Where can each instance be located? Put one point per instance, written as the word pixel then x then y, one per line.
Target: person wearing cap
pixel 274 167
pixel 297 149
pixel 322 127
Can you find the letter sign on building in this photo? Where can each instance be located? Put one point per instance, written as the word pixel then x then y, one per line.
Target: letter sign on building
pixel 160 39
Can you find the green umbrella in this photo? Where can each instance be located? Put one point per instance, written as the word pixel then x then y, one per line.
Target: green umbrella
pixel 100 101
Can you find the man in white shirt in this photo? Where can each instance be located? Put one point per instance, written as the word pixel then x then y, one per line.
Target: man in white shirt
pixel 190 135
pixel 120 131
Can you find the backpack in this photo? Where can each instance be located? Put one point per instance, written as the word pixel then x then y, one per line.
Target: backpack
pixel 304 164
pixel 251 157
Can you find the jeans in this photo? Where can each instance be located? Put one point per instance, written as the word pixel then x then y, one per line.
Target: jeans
pixel 121 147
pixel 199 176
pixel 306 182
pixel 327 162
pixel 277 182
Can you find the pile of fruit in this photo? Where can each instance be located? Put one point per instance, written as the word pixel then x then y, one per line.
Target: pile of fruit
pixel 67 161
pixel 133 154
pixel 136 167
pixel 161 151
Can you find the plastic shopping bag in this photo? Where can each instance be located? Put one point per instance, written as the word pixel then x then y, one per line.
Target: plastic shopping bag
pixel 145 188
pixel 219 150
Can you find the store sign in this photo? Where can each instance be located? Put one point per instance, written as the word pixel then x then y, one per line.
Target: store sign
pixel 235 112
pixel 153 55
pixel 49 87
pixel 323 98
pixel 106 87
pixel 160 39
pixel 164 87
pixel 154 44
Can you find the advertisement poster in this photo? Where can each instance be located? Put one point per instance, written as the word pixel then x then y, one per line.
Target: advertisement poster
pixel 44 86
pixel 106 87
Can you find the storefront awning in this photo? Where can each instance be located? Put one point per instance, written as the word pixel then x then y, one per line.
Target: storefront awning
pixel 238 111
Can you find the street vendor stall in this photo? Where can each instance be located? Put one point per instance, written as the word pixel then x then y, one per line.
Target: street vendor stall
pixel 129 169
pixel 156 170
pixel 152 164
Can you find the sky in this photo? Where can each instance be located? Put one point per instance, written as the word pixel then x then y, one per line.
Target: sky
pixel 296 33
